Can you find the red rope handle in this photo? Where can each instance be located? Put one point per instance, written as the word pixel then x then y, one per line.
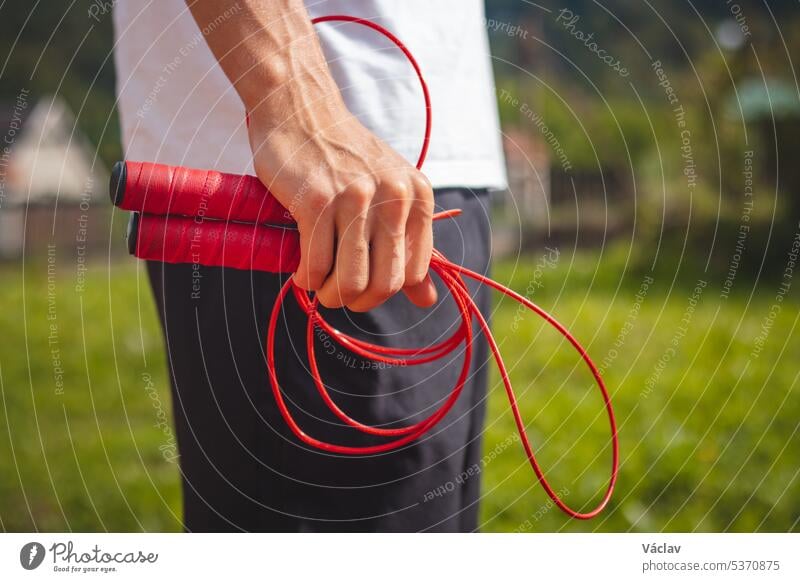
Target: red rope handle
pixel 161 192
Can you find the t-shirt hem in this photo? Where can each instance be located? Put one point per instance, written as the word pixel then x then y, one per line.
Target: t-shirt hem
pixel 486 174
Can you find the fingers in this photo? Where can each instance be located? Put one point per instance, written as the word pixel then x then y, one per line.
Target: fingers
pixel 350 274
pixel 387 253
pixel 316 228
pixel 418 285
pixel 422 295
pixel 383 244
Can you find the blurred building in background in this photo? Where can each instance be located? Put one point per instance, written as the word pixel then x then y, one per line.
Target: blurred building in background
pixel 52 182
pixel 525 206
pixel 771 108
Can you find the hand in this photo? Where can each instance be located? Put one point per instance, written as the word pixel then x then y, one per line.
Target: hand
pixel 363 212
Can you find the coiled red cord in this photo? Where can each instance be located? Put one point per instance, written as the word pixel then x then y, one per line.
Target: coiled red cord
pixel 452 276
pixel 162 192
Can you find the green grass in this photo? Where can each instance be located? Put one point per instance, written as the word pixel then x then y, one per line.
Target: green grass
pixel 87 458
pixel 712 445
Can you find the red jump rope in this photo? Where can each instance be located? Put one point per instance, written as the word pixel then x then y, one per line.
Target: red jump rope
pixel 184 215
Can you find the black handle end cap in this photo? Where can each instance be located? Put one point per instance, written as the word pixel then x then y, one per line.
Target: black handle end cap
pixel 133 232
pixel 117 183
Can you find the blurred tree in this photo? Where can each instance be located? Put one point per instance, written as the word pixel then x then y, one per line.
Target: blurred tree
pixel 60 48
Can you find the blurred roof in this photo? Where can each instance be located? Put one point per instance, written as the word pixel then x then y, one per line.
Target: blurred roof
pixel 764 99
pixel 51 158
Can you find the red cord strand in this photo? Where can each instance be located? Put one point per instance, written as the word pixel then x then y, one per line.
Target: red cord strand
pixel 399 44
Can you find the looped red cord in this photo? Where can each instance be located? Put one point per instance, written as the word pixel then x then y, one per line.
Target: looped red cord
pixel 452 276
pixel 163 236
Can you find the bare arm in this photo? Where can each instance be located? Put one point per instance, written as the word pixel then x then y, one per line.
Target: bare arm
pixel 364 213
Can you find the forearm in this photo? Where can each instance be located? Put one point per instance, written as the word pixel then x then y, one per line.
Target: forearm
pixel 269 51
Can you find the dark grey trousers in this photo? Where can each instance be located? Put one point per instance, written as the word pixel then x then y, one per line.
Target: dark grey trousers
pixel 243 470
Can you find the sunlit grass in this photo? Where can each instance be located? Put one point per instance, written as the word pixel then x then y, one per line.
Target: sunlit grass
pixel 711 445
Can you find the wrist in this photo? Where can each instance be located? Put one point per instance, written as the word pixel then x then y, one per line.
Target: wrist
pixel 262 80
pixel 286 80
pixel 298 105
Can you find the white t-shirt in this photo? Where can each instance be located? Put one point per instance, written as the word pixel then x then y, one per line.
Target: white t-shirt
pixel 177 106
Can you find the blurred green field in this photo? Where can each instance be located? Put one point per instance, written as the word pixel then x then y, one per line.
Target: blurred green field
pixel 709 429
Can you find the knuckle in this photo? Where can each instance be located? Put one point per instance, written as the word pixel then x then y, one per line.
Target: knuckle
pixel 358 195
pixel 314 205
pixel 395 284
pixel 300 281
pixel 395 199
pixel 352 289
pixel 393 209
pixel 421 182
pixel 396 190
pixel 384 289
pixel 328 300
pixel 315 276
